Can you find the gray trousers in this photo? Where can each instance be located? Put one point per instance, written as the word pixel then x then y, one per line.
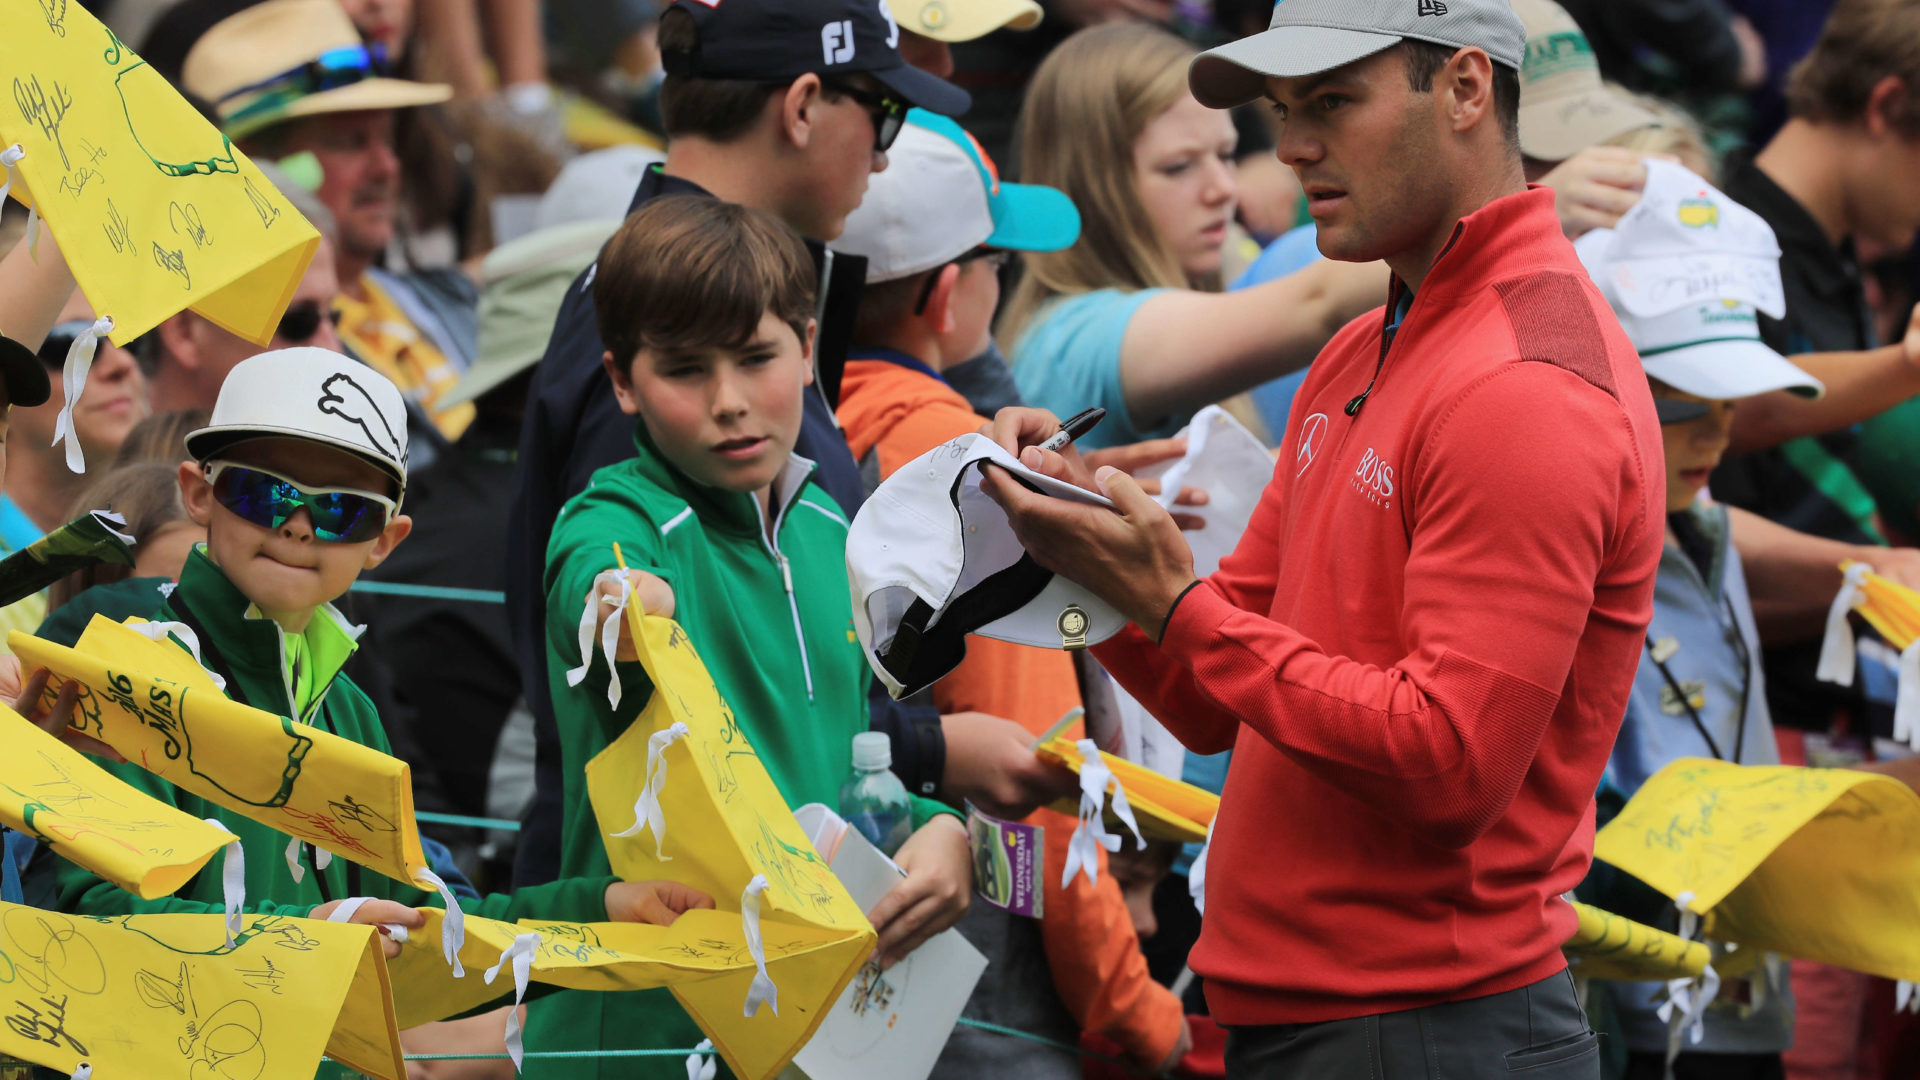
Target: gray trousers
pixel 1536 1032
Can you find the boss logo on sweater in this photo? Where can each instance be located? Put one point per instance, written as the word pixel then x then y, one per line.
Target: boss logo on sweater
pixel 1373 479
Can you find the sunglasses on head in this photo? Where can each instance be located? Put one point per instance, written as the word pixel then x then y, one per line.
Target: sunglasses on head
pixel 997 259
pixel 331 70
pixel 267 499
pixel 302 320
pixel 889 112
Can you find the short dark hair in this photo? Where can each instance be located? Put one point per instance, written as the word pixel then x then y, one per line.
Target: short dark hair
pixel 689 272
pixel 1424 61
pixel 888 304
pixel 719 110
pixel 1864 41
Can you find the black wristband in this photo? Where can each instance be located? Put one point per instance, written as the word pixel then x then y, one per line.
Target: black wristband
pixel 1173 607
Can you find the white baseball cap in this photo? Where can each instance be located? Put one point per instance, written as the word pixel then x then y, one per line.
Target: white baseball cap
pixel 1307 37
pixel 1688 279
pixel 932 558
pixel 1687 243
pixel 941 197
pixel 313 394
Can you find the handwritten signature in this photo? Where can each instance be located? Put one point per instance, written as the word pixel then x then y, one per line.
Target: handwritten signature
pixel 263 206
pixel 119 234
pixel 173 262
pixel 185 219
pixel 43 112
pixel 55 12
pixel 49 1027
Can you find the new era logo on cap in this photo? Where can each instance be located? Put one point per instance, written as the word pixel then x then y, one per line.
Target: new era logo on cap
pixel 1432 7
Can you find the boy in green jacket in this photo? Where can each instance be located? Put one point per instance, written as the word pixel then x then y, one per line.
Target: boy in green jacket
pixel 298 481
pixel 707 311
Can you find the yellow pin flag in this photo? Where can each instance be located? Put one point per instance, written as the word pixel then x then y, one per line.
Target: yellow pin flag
pixel 170 997
pixel 90 817
pixel 155 210
pixel 1822 864
pixel 1167 809
pixel 684 768
pixel 1609 946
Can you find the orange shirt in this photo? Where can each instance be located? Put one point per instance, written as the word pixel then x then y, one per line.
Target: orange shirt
pixel 1098 970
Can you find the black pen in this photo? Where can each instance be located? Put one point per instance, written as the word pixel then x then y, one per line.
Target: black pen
pixel 1073 429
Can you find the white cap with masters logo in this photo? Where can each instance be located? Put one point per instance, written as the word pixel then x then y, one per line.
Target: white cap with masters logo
pixel 1689 271
pixel 1308 37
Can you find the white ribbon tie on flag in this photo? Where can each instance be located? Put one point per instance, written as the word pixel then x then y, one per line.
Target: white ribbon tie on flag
pixel 762 988
pixel 520 955
pixel 1083 849
pixel 1836 649
pixel 609 632
pixel 646 809
pixel 73 380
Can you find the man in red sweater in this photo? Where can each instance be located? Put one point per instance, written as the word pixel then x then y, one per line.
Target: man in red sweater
pixel 1423 646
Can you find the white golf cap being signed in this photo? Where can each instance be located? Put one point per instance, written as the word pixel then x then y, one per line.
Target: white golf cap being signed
pixel 313 394
pixel 932 558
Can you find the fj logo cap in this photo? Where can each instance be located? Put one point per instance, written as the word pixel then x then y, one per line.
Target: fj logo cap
pixel 1308 37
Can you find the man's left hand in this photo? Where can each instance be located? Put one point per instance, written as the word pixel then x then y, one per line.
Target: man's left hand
pixel 1132 557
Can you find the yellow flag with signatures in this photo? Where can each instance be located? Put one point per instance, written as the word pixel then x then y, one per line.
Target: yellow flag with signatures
pixel 1166 808
pixel 154 704
pixel 155 210
pixel 681 795
pixel 1609 946
pixel 53 793
pixel 174 997
pixel 1822 864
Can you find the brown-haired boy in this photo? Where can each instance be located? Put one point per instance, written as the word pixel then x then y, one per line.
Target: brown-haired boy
pixel 735 541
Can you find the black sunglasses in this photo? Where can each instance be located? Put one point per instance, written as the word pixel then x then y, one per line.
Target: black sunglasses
pixel 997 259
pixel 889 113
pixel 53 351
pixel 302 321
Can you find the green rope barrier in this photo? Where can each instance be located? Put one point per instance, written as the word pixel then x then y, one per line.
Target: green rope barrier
pixel 428 817
pixel 429 592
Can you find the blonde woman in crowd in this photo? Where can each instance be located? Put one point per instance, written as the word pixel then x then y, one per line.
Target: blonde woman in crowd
pixel 1131 318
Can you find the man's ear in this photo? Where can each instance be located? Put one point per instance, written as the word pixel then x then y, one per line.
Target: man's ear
pixel 622 384
pixel 807 341
pixel 196 494
pixel 176 341
pixel 1467 80
pixel 939 309
pixel 390 538
pixel 1884 102
pixel 798 110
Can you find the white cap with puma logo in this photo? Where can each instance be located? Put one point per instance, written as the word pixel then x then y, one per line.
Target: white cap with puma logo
pixel 313 394
pixel 1308 37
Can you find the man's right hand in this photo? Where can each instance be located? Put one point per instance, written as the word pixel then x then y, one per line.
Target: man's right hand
pixel 1596 187
pixel 379 914
pixel 991 763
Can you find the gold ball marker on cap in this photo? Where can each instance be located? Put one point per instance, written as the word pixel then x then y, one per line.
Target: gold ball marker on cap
pixel 934 15
pixel 1073 627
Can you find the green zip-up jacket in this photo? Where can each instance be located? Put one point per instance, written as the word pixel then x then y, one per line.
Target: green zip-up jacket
pixel 246 649
pixel 774 623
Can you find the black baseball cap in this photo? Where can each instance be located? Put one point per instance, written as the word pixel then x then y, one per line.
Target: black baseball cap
pixel 25 375
pixel 772 40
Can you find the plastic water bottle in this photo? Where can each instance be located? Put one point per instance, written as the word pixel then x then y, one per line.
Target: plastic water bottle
pixel 874 800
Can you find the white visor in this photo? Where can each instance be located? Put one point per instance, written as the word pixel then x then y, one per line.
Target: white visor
pixel 932 558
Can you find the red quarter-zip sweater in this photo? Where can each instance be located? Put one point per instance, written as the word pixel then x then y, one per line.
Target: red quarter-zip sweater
pixel 1422 648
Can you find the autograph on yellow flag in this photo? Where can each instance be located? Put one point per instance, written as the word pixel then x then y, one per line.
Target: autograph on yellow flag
pixel 165 997
pixel 51 792
pixel 1822 864
pixel 1609 946
pixel 154 704
pixel 154 209
pixel 681 795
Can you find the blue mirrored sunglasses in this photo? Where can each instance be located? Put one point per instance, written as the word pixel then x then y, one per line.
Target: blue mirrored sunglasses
pixel 266 499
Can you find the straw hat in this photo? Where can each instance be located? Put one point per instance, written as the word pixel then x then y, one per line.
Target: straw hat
pixel 289 58
pixel 963 20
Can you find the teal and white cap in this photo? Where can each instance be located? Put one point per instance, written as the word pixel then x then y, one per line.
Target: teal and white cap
pixel 1688 272
pixel 1307 37
pixel 941 197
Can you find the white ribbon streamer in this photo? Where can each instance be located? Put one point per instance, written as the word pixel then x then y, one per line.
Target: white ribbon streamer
pixel 609 632
pixel 8 159
pixel 352 904
pixel 82 1071
pixel 1836 649
pixel 158 631
pixel 1903 997
pixel 33 232
pixel 322 858
pixel 1906 702
pixel 646 809
pixel 453 927
pixel 701 1063
pixel 1091 834
pixel 520 955
pixel 233 880
pixel 73 379
pixel 762 988
pixel 298 872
